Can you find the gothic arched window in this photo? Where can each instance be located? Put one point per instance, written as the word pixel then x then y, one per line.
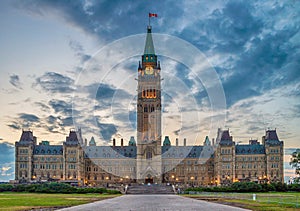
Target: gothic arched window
pixel 148 155
pixel 145 108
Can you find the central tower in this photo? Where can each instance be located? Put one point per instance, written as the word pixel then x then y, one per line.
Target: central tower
pixel 149 115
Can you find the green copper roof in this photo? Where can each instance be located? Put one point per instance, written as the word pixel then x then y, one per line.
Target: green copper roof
pixel 131 141
pixel 92 141
pixel 149 47
pixel 167 141
pixel 207 141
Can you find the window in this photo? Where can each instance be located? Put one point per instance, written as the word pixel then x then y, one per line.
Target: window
pixel 148 155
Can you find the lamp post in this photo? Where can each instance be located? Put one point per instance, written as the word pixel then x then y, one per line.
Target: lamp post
pixel 173 179
pixel 227 180
pixel 192 179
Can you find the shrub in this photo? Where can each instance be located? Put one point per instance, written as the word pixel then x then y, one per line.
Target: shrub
pixel 246 187
pixel 282 187
pixel 293 187
pixel 53 187
pixel 6 187
pixel 267 187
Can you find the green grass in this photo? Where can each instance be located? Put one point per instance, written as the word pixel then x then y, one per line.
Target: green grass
pixel 265 201
pixel 26 201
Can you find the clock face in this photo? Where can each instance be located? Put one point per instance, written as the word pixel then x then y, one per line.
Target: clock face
pixel 149 70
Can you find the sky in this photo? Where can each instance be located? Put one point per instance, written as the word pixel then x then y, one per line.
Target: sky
pixel 69 64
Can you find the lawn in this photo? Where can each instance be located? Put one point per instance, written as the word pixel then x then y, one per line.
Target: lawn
pixel 264 201
pixel 26 201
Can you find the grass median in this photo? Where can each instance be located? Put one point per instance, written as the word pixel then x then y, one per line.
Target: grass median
pixel 27 201
pixel 276 201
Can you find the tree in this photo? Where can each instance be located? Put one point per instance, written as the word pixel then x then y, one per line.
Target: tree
pixel 295 161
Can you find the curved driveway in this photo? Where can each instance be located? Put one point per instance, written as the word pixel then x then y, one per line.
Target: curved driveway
pixel 152 202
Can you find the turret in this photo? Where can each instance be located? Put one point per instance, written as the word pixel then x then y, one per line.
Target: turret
pixel 167 141
pixel 206 141
pixel 92 142
pixel 132 141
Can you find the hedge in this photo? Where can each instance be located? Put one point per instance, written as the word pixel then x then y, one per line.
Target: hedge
pixel 248 187
pixel 53 187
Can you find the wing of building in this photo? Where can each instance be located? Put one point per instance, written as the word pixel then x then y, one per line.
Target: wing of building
pixel 147 160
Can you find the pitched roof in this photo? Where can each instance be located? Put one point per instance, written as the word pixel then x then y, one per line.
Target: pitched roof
pixel 186 152
pixel 226 139
pixel 48 150
pixel 27 136
pixel 74 138
pixel 110 152
pixel 250 149
pixel 271 138
pixel 271 135
pixel 226 136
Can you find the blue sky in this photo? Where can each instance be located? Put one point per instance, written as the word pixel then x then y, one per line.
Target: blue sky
pixel 48 46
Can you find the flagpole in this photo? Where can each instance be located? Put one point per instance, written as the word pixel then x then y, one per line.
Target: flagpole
pixel 149 18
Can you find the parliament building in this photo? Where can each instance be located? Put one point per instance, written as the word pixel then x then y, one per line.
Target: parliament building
pixel 148 159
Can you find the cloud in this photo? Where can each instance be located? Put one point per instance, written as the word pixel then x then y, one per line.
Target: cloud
pixel 55 83
pixel 25 121
pixel 289 151
pixel 79 51
pixel 262 66
pixel 63 116
pixel 15 126
pixel 255 51
pixel 51 119
pixel 108 19
pixel 61 106
pixel 58 122
pixel 68 121
pixel 43 106
pixel 6 152
pixel 15 81
pixel 253 45
pixel 29 117
pixel 7 158
pixel 107 130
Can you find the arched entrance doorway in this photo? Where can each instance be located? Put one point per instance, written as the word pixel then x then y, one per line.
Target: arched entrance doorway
pixel 149 179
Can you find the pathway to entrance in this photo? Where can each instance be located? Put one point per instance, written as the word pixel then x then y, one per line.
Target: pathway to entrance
pixel 152 202
pixel 149 189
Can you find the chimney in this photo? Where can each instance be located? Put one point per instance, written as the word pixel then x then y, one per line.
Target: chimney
pixel 184 142
pixel 85 142
pixel 114 142
pixel 176 142
pixel 213 142
pixel 121 142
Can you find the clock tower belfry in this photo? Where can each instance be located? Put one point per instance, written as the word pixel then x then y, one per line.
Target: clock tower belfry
pixel 149 115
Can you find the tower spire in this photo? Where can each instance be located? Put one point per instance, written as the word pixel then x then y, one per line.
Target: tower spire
pixel 149 47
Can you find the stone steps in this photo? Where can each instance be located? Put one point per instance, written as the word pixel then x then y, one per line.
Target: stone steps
pixel 150 189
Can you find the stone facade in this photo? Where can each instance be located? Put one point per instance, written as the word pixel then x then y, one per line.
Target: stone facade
pixel 147 160
pixel 219 164
pixel 149 115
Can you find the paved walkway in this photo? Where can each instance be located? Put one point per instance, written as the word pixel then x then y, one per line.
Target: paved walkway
pixel 152 202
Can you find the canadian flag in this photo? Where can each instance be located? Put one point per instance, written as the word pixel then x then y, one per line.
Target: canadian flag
pixel 152 15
